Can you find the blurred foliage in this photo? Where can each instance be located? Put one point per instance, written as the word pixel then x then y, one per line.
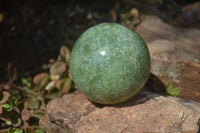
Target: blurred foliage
pixel 23 102
pixel 172 91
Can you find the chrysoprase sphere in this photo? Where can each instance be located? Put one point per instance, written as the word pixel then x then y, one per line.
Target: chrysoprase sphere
pixel 109 63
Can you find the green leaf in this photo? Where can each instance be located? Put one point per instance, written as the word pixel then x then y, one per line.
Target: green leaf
pixel 5 97
pixel 57 70
pixel 50 86
pixel 42 105
pixel 26 114
pixel 8 122
pixel 34 103
pixel 41 80
pixel 11 130
pixel 38 113
pixel 172 91
pixel 18 131
pixel 64 85
pixel 65 53
pixel 17 123
pixel 8 107
pixel 39 131
pixel 52 95
pixel 26 82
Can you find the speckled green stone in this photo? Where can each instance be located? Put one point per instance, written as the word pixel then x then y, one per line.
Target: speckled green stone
pixel 109 63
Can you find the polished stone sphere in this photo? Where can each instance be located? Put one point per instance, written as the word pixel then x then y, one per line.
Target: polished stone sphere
pixel 109 63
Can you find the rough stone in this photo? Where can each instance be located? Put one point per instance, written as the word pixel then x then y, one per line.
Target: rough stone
pixel 63 113
pixel 191 13
pixel 175 58
pixel 175 55
pixel 147 112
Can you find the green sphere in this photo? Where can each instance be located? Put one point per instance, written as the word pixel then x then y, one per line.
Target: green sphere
pixel 109 63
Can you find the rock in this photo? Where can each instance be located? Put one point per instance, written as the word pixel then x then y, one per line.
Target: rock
pixel 191 13
pixel 147 112
pixel 175 56
pixel 63 113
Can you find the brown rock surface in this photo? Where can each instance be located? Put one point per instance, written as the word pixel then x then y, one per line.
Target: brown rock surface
pixel 175 54
pixel 147 112
pixel 175 58
pixel 63 113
